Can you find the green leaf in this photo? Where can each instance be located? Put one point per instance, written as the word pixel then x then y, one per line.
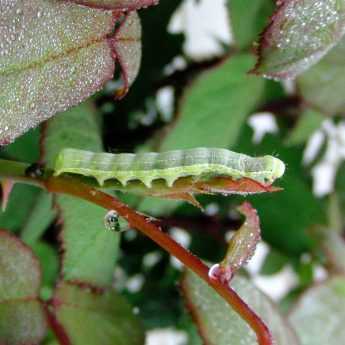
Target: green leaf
pixel 330 237
pixel 299 35
pixel 76 128
pixel 339 222
pixel 248 18
pixel 22 197
pixel 319 315
pixel 90 250
pixel 340 189
pixel 215 106
pixel 321 84
pixel 274 262
pixel 49 260
pixel 28 209
pixel 19 207
pixel 54 55
pixel 89 318
pixel 22 319
pixel 219 324
pixel 157 207
pixel 41 216
pixel 25 148
pixel 309 122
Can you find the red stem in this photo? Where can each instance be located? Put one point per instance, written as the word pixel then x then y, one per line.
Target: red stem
pixel 58 329
pixel 143 224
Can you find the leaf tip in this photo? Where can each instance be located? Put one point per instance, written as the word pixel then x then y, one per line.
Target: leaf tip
pixel 7 186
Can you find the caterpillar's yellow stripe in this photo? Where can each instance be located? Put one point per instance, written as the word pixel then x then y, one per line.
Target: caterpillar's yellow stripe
pixel 199 163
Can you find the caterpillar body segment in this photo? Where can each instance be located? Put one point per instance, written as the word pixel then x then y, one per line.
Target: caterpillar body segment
pixel 199 163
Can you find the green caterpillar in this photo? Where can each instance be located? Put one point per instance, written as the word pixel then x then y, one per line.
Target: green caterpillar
pixel 198 163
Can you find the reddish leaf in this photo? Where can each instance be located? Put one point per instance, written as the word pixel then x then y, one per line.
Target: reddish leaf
pixel 55 54
pixel 127 50
pixel 7 186
pixel 243 244
pixel 117 4
pixel 242 186
pixel 184 188
pixel 22 319
pixel 81 316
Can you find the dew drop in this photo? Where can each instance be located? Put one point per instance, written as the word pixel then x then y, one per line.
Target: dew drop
pixel 111 221
pixel 214 272
pixel 220 273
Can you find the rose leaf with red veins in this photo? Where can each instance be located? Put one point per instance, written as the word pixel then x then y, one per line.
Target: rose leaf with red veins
pixel 54 54
pixel 80 315
pixel 126 45
pixel 22 319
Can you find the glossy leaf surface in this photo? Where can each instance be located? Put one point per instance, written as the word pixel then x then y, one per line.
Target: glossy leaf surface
pixel 218 324
pixel 105 319
pixel 22 319
pixel 301 32
pixel 53 55
pixel 321 308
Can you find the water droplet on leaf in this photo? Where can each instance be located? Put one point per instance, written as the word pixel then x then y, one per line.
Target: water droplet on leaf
pixel 214 272
pixel 111 221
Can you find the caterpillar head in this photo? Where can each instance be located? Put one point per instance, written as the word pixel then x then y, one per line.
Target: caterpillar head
pixel 274 167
